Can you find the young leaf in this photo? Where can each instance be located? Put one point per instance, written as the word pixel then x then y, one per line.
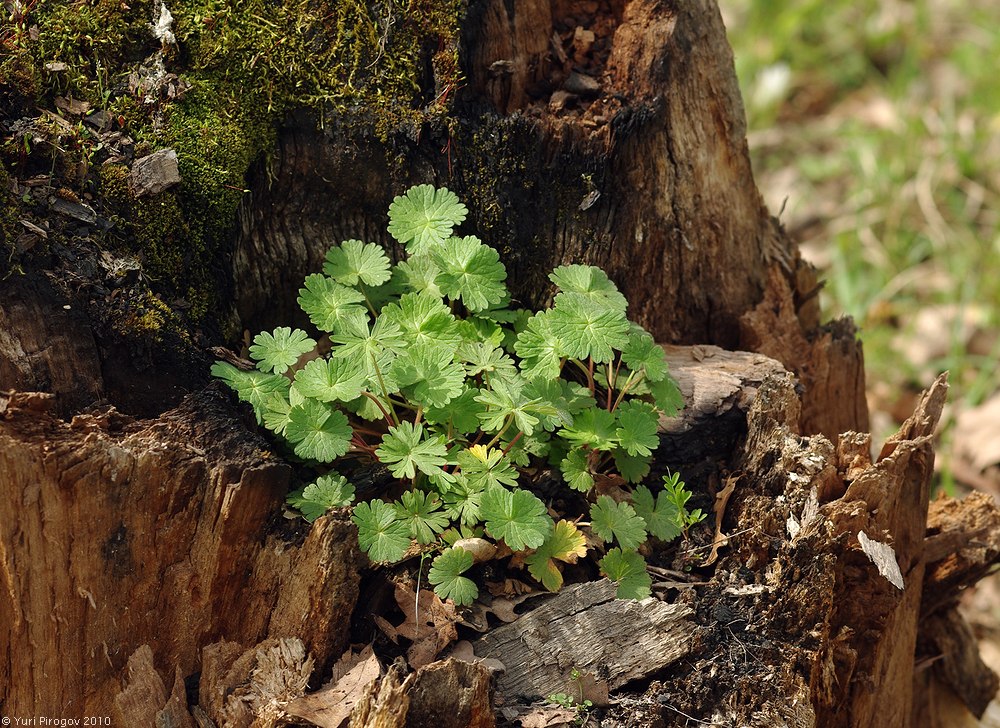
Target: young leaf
pixel 471 272
pixel 539 349
pixel 642 353
pixel 566 544
pixel 404 451
pixel 424 217
pixel 484 468
pixel 277 351
pixel 254 387
pixel 561 398
pixel 423 319
pixel 633 468
pixel 330 305
pixel 329 491
pixel 588 329
pixel 590 282
pixel 318 432
pixel 504 400
pixel 446 576
pixel 662 518
pixel 667 396
pixel 380 533
pixel 575 468
pixel 628 569
pixel 678 494
pixel 432 376
pixel 331 380
pixel 637 427
pixel 518 517
pixel 462 502
pixel 594 428
pixel 617 521
pixel 482 357
pixel 354 261
pixel 422 514
pixel 419 274
pixel 275 412
pixel 375 350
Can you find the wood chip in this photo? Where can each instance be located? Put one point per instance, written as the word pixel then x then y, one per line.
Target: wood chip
pixel 585 628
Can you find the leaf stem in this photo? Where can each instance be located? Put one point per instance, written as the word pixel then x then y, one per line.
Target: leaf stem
pixel 383 410
pixel 506 424
pixel 629 383
pixel 513 442
pixel 394 420
pixel 368 302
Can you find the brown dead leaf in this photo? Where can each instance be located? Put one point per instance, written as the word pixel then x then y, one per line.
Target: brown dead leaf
pixel 509 588
pixel 332 705
pixel 501 607
pixel 721 501
pixel 977 434
pixel 545 717
pixel 429 624
pixel 612 486
pixel 463 651
pixel 387 628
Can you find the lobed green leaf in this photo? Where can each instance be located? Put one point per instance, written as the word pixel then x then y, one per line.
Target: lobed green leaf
pixel 380 532
pixel 628 569
pixel 446 576
pixel 518 517
pixel 275 352
pixel 617 521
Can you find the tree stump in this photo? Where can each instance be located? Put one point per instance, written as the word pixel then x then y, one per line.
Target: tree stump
pixel 148 574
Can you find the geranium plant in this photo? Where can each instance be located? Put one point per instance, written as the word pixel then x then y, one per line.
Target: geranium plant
pixel 426 368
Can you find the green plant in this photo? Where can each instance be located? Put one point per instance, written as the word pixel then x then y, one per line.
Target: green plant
pixel 564 700
pixel 433 375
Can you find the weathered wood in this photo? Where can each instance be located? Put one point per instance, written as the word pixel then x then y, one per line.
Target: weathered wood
pixel 827 360
pixel 117 534
pixel 714 382
pixel 386 702
pixel 451 694
pixel 585 628
pixel 718 388
pixel 796 594
pixel 962 546
pixel 40 333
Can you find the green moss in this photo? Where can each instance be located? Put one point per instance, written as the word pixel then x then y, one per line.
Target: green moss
pixel 95 39
pixel 148 318
pixel 247 63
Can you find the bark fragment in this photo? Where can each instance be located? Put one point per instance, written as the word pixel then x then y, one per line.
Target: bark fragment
pixel 584 628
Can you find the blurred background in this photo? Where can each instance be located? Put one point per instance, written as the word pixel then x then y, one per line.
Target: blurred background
pixel 874 128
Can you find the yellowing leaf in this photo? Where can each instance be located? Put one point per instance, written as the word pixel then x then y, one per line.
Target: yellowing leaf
pixel 566 544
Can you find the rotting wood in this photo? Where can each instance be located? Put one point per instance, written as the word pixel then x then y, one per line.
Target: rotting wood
pixel 584 628
pixel 828 361
pixel 961 547
pixel 820 620
pixel 718 387
pixel 155 533
pixel 451 693
pixel 385 702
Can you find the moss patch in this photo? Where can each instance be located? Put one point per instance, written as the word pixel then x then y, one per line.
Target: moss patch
pixel 217 96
